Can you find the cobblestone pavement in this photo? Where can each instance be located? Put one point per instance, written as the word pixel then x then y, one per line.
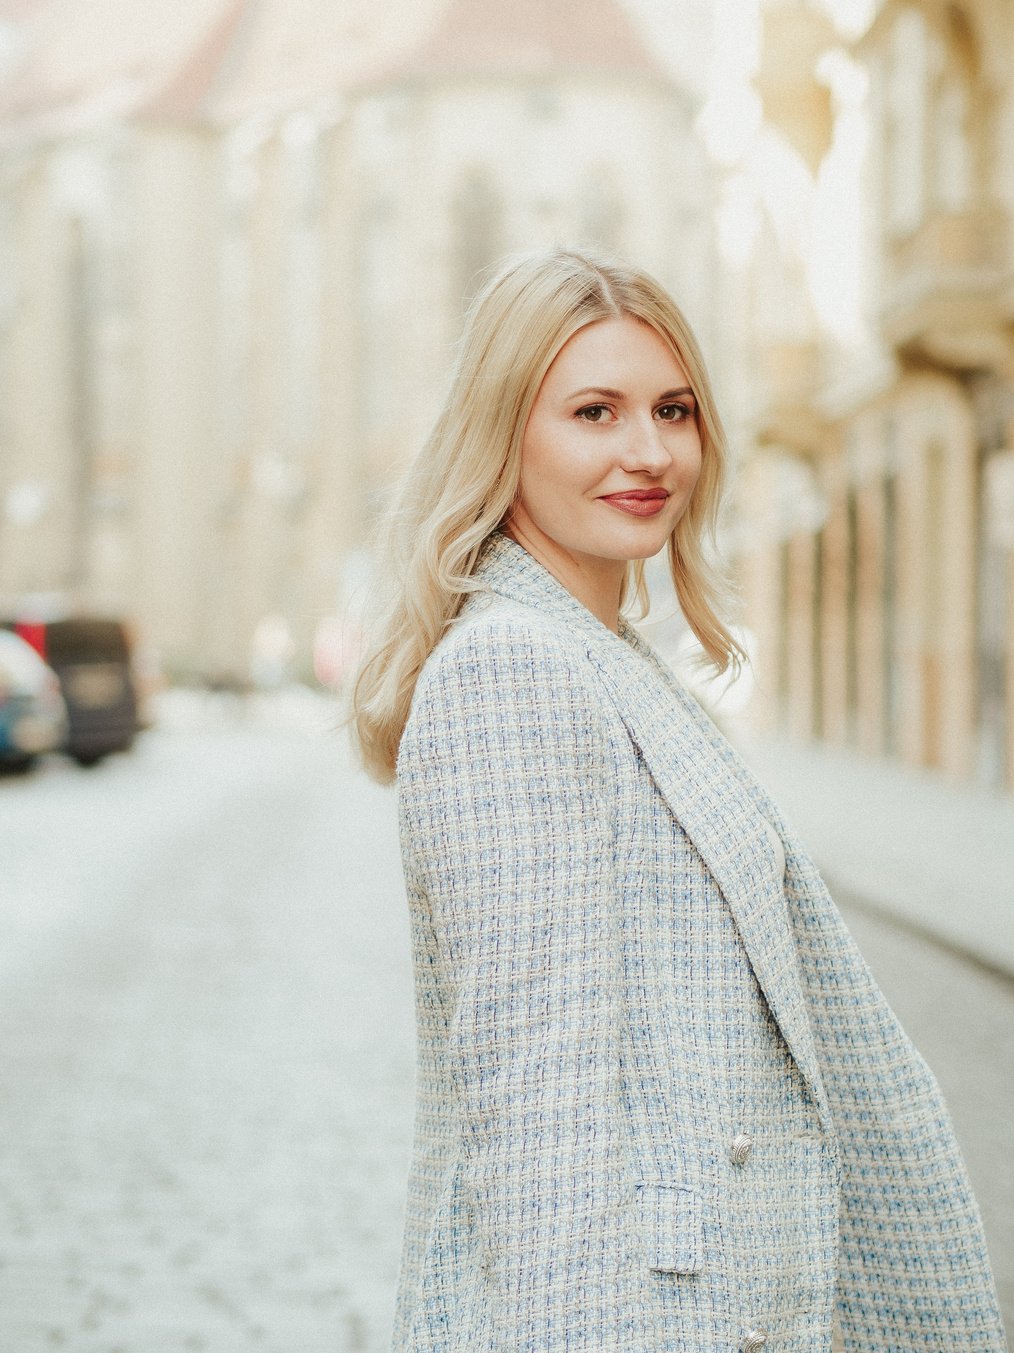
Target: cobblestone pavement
pixel 206 1056
pixel 206 1050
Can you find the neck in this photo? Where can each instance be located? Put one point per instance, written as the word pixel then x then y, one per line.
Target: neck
pixel 596 583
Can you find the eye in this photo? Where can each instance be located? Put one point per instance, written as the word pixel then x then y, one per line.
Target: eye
pixel 674 413
pixel 593 413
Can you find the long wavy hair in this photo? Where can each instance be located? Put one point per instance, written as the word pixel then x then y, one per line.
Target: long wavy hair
pixel 463 483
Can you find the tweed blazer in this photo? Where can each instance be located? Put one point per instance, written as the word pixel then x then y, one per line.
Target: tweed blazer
pixel 661 1103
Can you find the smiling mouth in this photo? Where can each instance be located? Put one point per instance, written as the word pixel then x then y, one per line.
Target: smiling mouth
pixel 638 502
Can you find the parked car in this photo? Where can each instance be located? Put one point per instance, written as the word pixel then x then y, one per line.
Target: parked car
pixel 33 717
pixel 92 660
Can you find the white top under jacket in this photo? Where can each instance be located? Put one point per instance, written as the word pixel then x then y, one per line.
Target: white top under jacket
pixel 662 1105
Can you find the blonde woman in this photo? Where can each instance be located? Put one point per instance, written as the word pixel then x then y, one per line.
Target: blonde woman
pixel 661 1103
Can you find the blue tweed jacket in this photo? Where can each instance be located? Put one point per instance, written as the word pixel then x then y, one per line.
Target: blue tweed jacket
pixel 662 1104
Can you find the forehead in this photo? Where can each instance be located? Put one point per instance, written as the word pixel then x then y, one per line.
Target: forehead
pixel 617 352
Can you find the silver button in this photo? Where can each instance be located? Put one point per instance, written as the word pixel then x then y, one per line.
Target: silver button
pixel 741 1147
pixel 754 1341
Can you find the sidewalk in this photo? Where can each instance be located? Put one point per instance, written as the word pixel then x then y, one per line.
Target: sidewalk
pixel 936 856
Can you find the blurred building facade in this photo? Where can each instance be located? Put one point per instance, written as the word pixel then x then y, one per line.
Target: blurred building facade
pixel 877 505
pixel 235 246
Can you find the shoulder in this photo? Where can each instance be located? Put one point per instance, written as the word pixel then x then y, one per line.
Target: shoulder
pixel 505 665
pixel 505 646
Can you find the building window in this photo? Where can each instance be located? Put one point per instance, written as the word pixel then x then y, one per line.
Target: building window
pixel 81 318
pixel 600 210
pixel 955 67
pixel 377 305
pixel 304 168
pixel 817 636
pixel 952 179
pixel 996 492
pixel 477 232
pixel 240 172
pixel 935 564
pixel 905 123
pixel 784 627
pixel 852 613
pixel 889 603
pixel 994 407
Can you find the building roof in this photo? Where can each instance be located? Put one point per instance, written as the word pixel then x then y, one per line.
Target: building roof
pixel 82 64
pixel 299 52
pixel 188 90
pixel 213 60
pixel 528 37
pixel 219 60
pixel 17 11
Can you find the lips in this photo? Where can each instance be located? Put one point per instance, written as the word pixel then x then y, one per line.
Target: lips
pixel 638 502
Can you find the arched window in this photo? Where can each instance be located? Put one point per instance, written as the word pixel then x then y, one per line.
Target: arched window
pixel 377 307
pixel 951 113
pixel 477 229
pixel 600 209
pixel 241 171
pixel 905 123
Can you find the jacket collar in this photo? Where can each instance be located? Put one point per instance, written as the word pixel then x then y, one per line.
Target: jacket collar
pixel 710 793
pixel 507 569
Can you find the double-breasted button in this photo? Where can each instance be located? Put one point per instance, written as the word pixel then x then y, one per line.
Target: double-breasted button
pixel 740 1149
pixel 754 1341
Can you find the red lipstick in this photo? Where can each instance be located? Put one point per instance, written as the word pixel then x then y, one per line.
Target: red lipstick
pixel 638 502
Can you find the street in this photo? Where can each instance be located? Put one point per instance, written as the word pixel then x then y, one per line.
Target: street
pixel 206 1046
pixel 206 1050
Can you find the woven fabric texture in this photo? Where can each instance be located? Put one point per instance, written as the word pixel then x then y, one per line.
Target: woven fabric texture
pixel 625 963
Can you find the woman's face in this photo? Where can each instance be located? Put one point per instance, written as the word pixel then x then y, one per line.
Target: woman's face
pixel 612 451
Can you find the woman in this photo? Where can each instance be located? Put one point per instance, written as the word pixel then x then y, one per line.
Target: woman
pixel 661 1102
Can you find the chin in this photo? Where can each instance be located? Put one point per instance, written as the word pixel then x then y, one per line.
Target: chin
pixel 640 545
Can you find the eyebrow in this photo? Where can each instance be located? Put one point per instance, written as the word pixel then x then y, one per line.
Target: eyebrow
pixel 618 394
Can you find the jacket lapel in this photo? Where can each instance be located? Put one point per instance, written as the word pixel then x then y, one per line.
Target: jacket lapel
pixel 707 797
pixel 718 813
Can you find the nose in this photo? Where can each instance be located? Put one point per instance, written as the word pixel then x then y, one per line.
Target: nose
pixel 645 449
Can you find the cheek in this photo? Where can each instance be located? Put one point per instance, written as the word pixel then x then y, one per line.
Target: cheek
pixel 537 487
pixel 692 463
pixel 550 462
pixel 536 482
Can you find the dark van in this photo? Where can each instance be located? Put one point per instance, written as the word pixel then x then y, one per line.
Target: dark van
pixel 91 658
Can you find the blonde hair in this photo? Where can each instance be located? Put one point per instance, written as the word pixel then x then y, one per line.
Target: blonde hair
pixel 463 483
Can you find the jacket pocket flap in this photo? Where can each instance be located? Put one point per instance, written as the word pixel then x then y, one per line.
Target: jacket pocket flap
pixel 672 1223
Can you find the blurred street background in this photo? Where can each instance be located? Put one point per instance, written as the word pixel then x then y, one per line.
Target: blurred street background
pixel 237 239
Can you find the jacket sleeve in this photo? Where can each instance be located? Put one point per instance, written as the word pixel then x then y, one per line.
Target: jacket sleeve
pixel 507 827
